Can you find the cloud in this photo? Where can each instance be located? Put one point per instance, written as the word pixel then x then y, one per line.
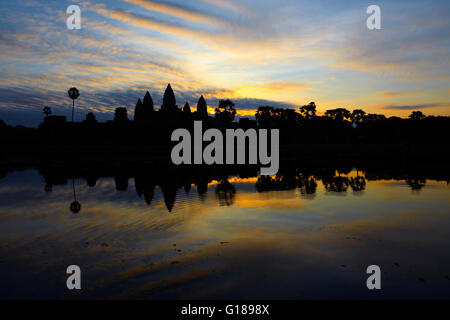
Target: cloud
pixel 258 53
pixel 417 107
pixel 277 86
pixel 230 5
pixel 153 24
pixel 178 11
pixel 390 94
pixel 236 37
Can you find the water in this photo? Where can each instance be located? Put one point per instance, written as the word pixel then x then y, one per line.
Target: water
pixel 306 235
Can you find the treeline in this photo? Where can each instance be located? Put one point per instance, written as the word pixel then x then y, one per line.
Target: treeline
pixel 344 126
pixel 297 126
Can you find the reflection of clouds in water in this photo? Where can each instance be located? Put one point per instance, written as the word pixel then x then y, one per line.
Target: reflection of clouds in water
pixel 276 240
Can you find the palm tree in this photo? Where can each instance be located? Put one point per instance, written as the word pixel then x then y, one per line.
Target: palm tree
pixel 73 94
pixel 47 111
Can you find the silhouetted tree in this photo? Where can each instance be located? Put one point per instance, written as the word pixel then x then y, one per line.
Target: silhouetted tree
pixel 372 117
pixel 267 116
pixel 357 116
pixel 308 111
pixel 339 114
pixel 264 115
pixel 90 118
pixel 169 102
pixel 225 112
pixel 120 115
pixel 47 111
pixel 416 115
pixel 289 116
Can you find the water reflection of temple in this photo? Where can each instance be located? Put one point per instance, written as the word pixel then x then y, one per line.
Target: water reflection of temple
pixel 172 179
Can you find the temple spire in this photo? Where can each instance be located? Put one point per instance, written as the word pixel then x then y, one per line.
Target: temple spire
pixel 169 102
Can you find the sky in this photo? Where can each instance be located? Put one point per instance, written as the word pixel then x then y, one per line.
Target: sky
pixel 283 53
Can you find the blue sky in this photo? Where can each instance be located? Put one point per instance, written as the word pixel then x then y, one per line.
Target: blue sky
pixel 281 53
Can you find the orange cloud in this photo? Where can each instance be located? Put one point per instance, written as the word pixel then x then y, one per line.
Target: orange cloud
pixel 390 94
pixel 151 23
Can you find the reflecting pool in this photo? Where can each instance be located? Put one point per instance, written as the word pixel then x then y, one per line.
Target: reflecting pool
pixel 304 234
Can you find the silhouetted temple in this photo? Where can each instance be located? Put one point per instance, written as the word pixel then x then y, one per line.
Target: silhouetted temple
pixel 300 126
pixel 169 102
pixel 187 109
pixel 169 113
pixel 144 111
pixel 202 110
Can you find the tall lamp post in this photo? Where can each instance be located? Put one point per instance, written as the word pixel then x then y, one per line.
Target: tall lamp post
pixel 73 94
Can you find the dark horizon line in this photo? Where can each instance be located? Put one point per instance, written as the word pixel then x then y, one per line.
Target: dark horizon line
pixel 169 90
pixel 150 107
